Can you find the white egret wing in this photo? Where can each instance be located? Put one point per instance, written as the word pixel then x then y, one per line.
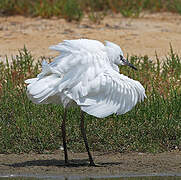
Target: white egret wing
pixel 77 57
pixel 109 93
pixel 80 61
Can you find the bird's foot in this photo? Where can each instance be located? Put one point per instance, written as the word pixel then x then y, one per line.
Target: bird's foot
pixel 93 164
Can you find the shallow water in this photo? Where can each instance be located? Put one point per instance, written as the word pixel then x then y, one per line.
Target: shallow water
pixel 131 177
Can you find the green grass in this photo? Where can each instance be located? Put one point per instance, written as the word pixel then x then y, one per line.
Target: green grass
pixel 75 9
pixel 152 126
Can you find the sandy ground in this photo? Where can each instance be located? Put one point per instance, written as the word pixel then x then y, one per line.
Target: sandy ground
pixel 109 164
pixel 150 33
pixel 143 36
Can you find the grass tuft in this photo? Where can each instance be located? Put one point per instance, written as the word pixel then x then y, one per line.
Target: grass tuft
pixel 152 126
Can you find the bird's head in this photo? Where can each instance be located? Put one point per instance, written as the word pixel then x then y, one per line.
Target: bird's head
pixel 115 55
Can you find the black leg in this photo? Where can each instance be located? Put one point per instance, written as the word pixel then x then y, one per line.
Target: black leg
pixel 85 139
pixel 63 127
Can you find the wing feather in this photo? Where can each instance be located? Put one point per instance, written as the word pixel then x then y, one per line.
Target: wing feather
pixel 79 62
pixel 117 94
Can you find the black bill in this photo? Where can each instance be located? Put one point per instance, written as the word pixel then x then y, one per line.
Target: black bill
pixel 127 63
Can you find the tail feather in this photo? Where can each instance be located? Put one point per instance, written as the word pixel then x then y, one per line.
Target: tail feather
pixel 39 89
pixel 45 88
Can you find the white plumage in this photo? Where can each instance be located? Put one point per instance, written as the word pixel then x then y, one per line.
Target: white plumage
pixel 86 72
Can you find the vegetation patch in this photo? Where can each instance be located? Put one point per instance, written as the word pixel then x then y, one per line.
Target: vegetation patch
pixel 152 126
pixel 75 9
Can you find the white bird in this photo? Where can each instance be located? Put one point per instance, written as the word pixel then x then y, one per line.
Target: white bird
pixel 86 72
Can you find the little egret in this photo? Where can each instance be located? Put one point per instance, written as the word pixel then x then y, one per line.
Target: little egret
pixel 86 72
